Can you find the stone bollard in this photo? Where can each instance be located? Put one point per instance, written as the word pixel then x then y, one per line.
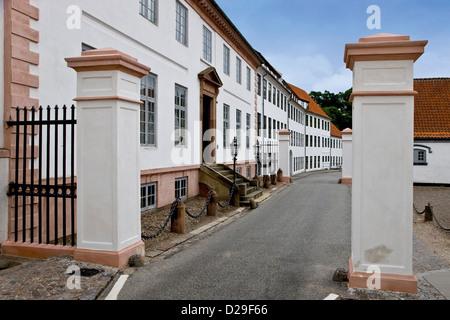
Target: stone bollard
pixel 428 215
pixel 213 205
pixel 280 175
pixel 236 197
pixel 179 219
pixel 274 179
pixel 267 182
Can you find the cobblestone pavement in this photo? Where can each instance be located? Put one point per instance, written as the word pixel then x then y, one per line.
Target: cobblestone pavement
pixel 52 279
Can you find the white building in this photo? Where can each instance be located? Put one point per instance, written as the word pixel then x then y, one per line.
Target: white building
pixel 432 131
pixel 205 87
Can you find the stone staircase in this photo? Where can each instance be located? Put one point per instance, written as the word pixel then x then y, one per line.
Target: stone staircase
pixel 220 177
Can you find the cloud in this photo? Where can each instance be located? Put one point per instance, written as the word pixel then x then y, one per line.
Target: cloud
pixel 312 72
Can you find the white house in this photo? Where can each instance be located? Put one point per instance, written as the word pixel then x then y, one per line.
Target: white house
pixel 432 131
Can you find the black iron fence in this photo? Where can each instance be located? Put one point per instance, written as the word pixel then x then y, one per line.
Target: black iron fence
pixel 44 188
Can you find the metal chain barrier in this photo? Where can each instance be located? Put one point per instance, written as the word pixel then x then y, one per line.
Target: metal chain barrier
pixel 433 215
pixel 227 203
pixel 417 211
pixel 172 211
pixel 208 201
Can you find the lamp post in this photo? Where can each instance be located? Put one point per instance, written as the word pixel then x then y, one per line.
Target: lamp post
pixel 258 160
pixel 234 149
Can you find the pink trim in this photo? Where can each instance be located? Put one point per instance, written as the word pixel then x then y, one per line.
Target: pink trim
pixel 117 259
pixel 284 132
pixel 107 98
pixel 35 251
pixel 107 59
pixel 383 47
pixel 382 93
pixel 388 282
pixel 347 131
pixel 346 181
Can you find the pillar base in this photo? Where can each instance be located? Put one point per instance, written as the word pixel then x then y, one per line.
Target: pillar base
pixel 388 282
pixel 35 251
pixel 115 259
pixel 345 181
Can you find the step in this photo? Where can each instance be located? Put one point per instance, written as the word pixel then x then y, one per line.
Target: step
pixel 253 195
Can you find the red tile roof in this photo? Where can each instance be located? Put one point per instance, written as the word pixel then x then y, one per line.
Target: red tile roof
pixel 432 108
pixel 313 106
pixel 335 132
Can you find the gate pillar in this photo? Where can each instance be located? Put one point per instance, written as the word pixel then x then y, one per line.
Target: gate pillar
pixel 383 133
pixel 347 155
pixel 108 168
pixel 283 154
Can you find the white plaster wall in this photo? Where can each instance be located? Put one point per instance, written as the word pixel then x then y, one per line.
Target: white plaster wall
pixel 382 184
pixel 112 23
pixel 438 169
pixel 347 155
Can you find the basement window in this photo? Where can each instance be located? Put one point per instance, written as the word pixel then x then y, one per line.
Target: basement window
pixel 420 157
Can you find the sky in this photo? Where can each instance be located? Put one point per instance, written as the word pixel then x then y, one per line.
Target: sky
pixel 305 39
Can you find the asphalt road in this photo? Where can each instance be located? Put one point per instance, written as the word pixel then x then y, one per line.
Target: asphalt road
pixel 287 249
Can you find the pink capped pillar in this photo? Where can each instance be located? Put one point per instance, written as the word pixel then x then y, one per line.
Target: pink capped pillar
pixel 382 181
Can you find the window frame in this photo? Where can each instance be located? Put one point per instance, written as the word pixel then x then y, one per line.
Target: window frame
pixel 145 140
pixel 226 60
pixel 145 9
pixel 238 70
pixel 147 195
pixel 417 156
pixel 181 26
pixel 179 189
pixel 207 44
pixel 180 108
pixel 226 125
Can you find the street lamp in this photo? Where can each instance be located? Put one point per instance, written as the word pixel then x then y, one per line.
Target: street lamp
pixel 258 160
pixel 234 150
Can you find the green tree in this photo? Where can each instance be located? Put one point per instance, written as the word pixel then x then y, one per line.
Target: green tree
pixel 336 106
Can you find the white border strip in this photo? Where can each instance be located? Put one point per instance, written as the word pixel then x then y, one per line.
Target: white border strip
pixel 332 297
pixel 117 287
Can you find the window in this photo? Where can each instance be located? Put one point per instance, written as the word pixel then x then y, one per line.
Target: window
pixel 258 84
pixel 420 157
pixel 181 24
pixel 207 44
pixel 181 188
pixel 238 70
pixel 226 60
pixel 148 111
pixel 249 75
pixel 226 124
pixel 265 88
pixel 249 170
pixel 86 47
pixel 238 126
pixel 148 9
pixel 259 124
pixel 270 92
pixel 180 115
pixel 148 196
pixel 247 131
